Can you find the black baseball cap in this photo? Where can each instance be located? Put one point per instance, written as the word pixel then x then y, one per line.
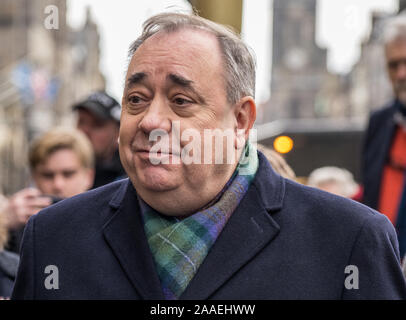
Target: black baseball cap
pixel 102 105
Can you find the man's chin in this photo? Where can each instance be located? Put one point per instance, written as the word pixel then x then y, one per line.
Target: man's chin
pixel 156 179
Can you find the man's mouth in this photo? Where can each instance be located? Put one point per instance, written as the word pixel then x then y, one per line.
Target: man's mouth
pixel 149 154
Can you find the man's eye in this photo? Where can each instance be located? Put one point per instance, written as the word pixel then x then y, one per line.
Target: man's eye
pixel 46 175
pixel 134 99
pixel 68 174
pixel 393 64
pixel 181 101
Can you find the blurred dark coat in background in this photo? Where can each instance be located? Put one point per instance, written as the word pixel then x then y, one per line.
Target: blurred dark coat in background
pixel 377 144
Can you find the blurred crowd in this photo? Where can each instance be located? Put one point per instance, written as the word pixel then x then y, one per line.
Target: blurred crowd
pixel 63 162
pixel 66 161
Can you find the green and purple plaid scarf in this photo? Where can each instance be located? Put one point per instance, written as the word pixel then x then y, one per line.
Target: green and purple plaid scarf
pixel 180 246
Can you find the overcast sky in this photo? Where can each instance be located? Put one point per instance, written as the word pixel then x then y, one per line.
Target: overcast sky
pixel 341 25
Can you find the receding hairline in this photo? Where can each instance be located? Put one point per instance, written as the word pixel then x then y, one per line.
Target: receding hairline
pixel 191 22
pixel 394 30
pixel 236 57
pixel 135 77
pixel 180 29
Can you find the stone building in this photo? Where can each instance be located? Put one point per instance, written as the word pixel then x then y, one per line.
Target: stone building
pixel 43 70
pixel 298 63
pixel 302 87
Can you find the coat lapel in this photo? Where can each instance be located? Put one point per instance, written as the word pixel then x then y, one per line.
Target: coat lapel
pixel 247 232
pixel 124 233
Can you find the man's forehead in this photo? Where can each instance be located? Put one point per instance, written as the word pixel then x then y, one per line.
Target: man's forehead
pixel 177 48
pixel 50 163
pixel 397 46
pixel 187 38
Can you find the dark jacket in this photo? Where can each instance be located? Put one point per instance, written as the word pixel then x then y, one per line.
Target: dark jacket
pixel 8 272
pixel 106 172
pixel 377 143
pixel 284 241
pixel 15 237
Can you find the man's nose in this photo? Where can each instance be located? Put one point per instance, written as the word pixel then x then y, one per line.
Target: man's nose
pixel 58 185
pixel 401 71
pixel 156 116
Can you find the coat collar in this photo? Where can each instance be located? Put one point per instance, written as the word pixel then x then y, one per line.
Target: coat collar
pixel 269 184
pixel 124 233
pixel 248 231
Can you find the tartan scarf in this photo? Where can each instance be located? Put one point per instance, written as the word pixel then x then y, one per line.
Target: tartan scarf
pixel 180 246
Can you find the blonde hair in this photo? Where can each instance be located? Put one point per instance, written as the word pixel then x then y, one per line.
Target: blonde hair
pixel 277 162
pixel 61 138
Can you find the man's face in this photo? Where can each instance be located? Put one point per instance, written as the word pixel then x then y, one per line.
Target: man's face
pixel 174 77
pixel 62 175
pixel 396 64
pixel 102 134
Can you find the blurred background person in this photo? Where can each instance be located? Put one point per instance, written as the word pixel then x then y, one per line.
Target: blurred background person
pixel 334 180
pixel 384 156
pixel 62 165
pixel 277 162
pixel 8 260
pixel 99 119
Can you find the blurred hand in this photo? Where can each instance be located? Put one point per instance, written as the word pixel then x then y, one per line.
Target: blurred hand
pixel 22 205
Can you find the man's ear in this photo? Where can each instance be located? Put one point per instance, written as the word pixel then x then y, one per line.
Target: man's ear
pixel 245 115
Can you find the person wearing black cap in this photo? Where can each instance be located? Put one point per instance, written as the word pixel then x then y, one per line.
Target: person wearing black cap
pixel 99 119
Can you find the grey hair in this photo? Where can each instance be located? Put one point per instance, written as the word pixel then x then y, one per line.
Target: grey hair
pixel 342 177
pixel 239 61
pixel 394 29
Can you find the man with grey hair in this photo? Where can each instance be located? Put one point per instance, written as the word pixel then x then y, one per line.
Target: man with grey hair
pixel 198 219
pixel 383 155
pixel 336 180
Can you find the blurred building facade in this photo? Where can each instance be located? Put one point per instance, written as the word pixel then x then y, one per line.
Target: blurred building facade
pixel 324 113
pixel 298 64
pixel 302 87
pixel 43 71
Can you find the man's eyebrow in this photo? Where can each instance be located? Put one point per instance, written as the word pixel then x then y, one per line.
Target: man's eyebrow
pixel 136 78
pixel 185 83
